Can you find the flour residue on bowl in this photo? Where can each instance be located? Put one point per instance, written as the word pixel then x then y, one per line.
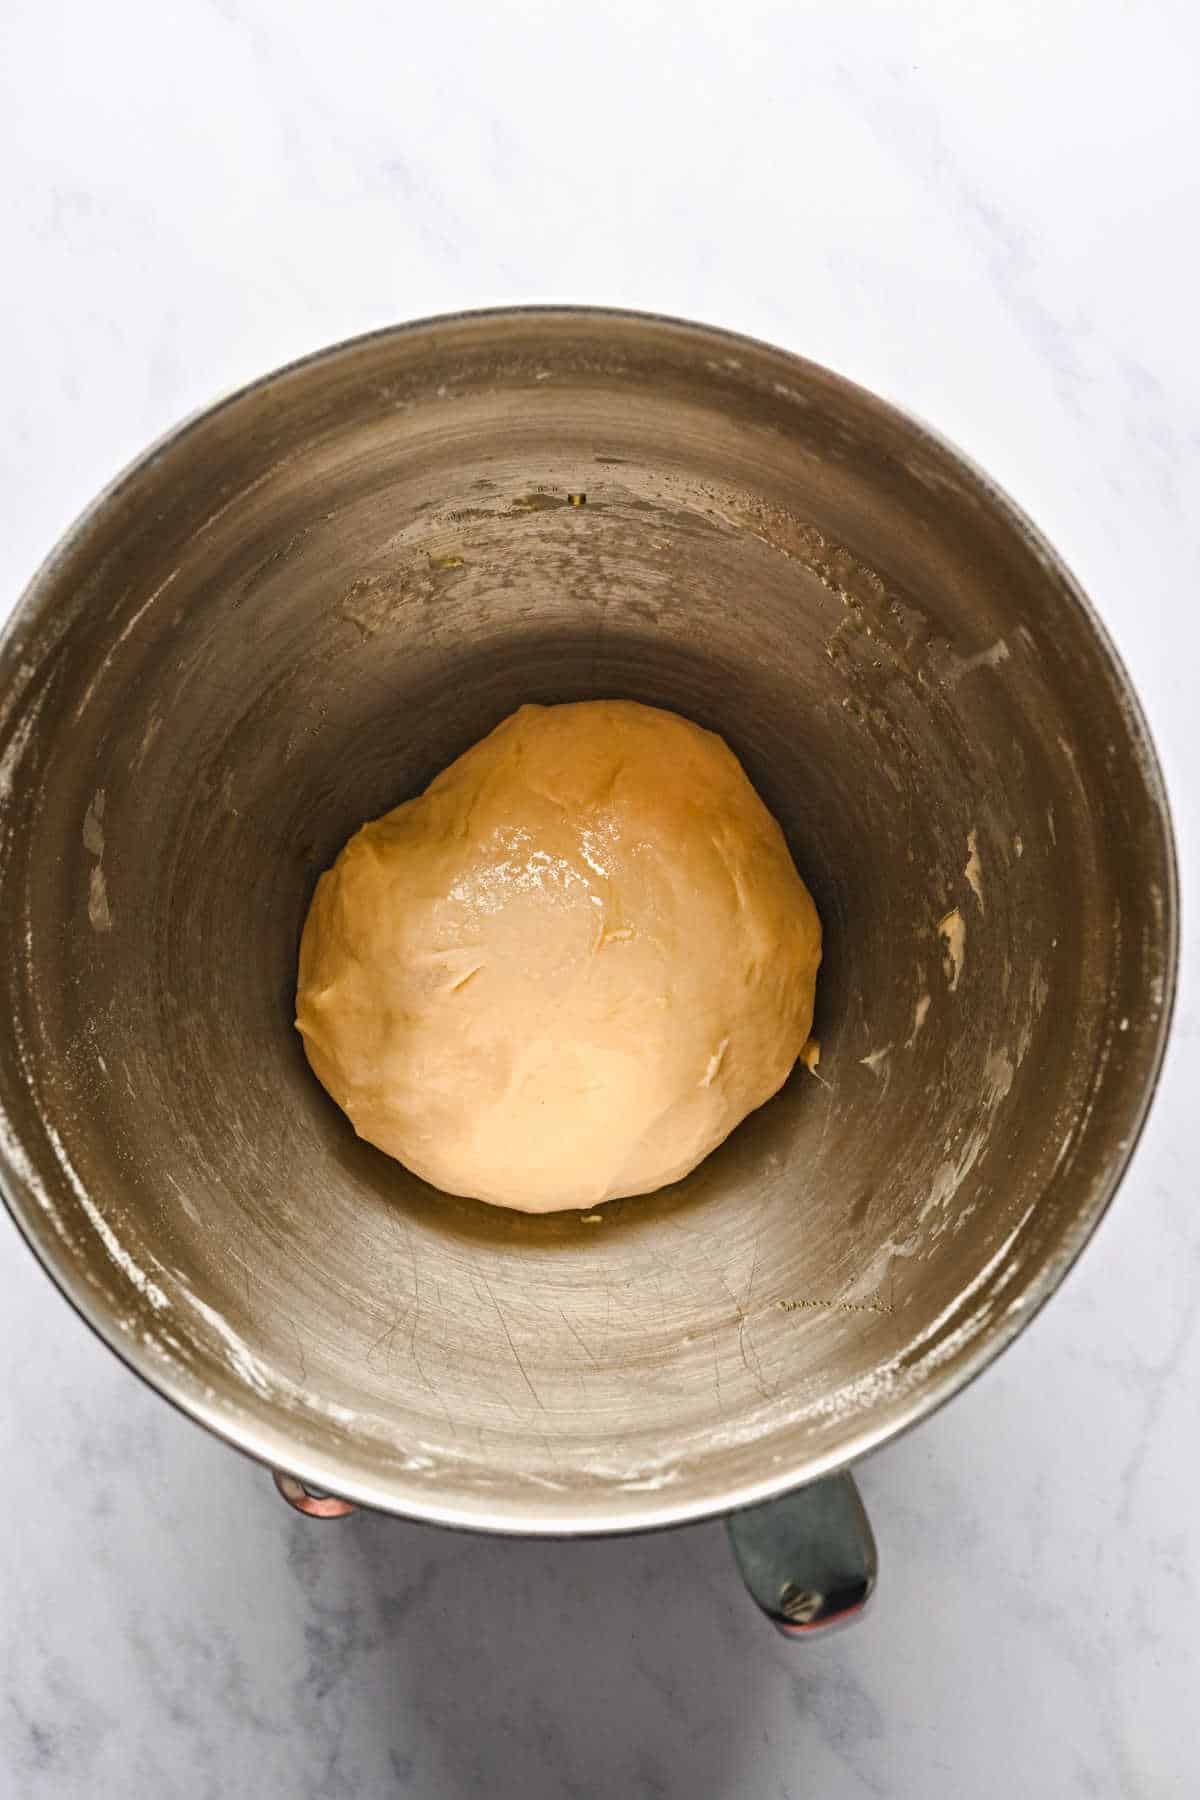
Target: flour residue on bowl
pixel 920 1014
pixel 974 869
pixel 952 929
pixel 132 1270
pixel 18 743
pixel 238 1354
pixel 950 1175
pixel 13 1152
pixel 991 658
pixel 93 824
pixel 99 911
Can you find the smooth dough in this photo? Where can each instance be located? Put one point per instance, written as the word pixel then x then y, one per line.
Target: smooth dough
pixel 567 970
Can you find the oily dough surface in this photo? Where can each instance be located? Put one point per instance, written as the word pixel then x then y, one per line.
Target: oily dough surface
pixel 568 969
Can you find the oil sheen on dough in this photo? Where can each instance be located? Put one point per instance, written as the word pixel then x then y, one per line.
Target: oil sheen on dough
pixel 567 970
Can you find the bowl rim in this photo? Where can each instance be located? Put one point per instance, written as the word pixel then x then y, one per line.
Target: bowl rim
pixel 567 1517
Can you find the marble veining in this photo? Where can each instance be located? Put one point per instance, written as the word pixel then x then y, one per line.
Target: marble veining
pixel 989 216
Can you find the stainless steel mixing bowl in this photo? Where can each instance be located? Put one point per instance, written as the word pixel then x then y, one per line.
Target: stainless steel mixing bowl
pixel 292 613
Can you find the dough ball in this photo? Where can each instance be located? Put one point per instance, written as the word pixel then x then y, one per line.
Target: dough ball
pixel 567 970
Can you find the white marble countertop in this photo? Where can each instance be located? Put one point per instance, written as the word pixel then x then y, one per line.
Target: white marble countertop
pixel 993 222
